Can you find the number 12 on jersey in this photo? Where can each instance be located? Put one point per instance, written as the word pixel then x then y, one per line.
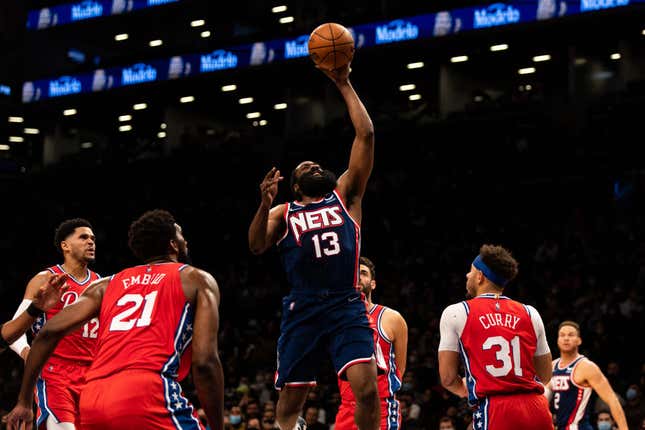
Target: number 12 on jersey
pixel 326 243
pixel 120 321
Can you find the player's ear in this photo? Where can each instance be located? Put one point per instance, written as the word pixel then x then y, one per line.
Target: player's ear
pixel 65 246
pixel 174 246
pixel 373 284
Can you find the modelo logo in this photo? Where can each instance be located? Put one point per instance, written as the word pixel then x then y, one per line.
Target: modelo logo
pixel 496 14
pixel 138 73
pixel 86 10
pixel 217 60
pixel 159 2
pixel 396 31
pixel 64 86
pixel 68 298
pixel 5 90
pixel 587 5
pixel 296 48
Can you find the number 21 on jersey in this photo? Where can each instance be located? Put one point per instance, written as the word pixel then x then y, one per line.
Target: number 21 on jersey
pixel 126 320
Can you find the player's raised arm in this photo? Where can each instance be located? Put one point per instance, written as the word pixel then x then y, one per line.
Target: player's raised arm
pixel 353 182
pixel 267 223
pixel 67 320
pixel 207 367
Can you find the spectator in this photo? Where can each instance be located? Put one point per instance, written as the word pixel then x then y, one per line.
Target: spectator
pixel 447 423
pixel 634 406
pixel 311 418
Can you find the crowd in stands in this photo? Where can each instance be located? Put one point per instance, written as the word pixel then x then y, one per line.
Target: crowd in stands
pixel 568 204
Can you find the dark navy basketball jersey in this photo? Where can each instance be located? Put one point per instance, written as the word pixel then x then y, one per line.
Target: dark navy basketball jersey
pixel 569 400
pixel 321 246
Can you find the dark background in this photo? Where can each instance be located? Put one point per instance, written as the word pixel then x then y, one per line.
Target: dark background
pixel 549 165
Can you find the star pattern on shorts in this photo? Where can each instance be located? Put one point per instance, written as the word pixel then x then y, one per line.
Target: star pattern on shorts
pixel 177 402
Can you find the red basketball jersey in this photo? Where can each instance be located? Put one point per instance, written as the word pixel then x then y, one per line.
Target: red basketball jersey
pixel 388 382
pixel 80 344
pixel 146 323
pixel 498 344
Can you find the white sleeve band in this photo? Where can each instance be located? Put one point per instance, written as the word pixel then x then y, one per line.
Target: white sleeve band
pixel 21 343
pixel 540 333
pixel 451 325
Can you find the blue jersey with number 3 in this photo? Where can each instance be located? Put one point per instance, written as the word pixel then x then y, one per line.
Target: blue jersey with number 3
pixel 321 246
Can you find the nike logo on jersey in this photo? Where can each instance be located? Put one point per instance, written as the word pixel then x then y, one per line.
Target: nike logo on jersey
pixel 304 221
pixel 353 299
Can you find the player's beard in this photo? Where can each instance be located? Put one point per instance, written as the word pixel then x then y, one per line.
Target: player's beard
pixel 366 289
pixel 317 186
pixel 182 255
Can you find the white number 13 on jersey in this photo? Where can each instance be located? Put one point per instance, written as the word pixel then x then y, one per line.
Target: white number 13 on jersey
pixel 504 355
pixel 329 246
pixel 120 321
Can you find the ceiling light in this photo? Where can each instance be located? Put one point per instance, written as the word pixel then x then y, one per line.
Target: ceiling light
pixel 539 58
pixel 580 61
pixel 459 59
pixel 5 147
pixel 140 106
pixel 163 126
pixel 615 56
pixel 121 37
pixel 263 122
pixel 279 9
pixel 255 123
pixel 227 88
pixel 286 19
pixel 16 119
pixel 156 42
pixel 526 70
pixel 407 87
pixel 414 97
pixel 16 139
pixel 124 118
pixel 197 23
pixel 417 65
pixel 32 131
pixel 205 34
pixel 500 47
pixel 252 115
pixel 187 99
pixel 86 145
pixel 70 112
pixel 245 100
pixel 161 134
pixel 528 87
pixel 280 106
pixel 126 127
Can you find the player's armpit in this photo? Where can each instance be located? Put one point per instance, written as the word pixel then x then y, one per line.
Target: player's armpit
pixel 397 329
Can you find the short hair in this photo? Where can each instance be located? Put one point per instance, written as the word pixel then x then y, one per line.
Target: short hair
pixel 148 236
pixel 500 261
pixel 570 324
pixel 66 228
pixel 367 262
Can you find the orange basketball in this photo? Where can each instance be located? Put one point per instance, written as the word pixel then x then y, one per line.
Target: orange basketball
pixel 331 46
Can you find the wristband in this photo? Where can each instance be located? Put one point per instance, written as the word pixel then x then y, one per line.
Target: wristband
pixel 33 310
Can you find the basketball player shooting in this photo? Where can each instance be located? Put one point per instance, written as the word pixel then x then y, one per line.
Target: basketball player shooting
pixel 318 238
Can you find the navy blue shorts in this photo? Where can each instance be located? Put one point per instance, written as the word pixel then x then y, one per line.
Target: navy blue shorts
pixel 315 325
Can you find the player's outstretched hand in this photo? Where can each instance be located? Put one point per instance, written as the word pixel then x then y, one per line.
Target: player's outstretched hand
pixel 339 75
pixel 269 186
pixel 21 417
pixel 50 293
